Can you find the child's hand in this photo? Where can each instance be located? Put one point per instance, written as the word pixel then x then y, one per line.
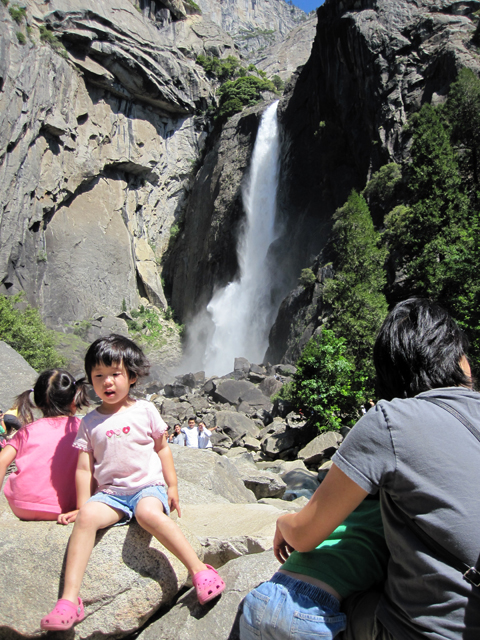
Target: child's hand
pixel 174 501
pixel 68 518
pixel 281 549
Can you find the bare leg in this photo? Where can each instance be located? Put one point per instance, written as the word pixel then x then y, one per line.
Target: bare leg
pixel 151 517
pixel 91 517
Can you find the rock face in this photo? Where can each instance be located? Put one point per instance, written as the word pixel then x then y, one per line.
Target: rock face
pixel 204 256
pixel 283 58
pixel 16 375
pixel 128 577
pixel 95 152
pixel 372 65
pixel 253 24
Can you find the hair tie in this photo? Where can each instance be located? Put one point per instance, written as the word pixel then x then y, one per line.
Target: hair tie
pixel 31 390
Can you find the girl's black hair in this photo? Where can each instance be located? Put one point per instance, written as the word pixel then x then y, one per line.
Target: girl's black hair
pixel 418 348
pixel 117 349
pixel 54 393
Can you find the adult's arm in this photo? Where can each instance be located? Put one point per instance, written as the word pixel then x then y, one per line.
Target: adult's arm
pixel 331 503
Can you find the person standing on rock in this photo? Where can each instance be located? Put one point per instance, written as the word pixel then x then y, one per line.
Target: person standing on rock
pixel 177 436
pixel 419 449
pixel 124 449
pixel 204 436
pixel 191 433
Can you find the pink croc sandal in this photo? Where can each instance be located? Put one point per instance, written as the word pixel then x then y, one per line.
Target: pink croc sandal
pixel 64 616
pixel 208 584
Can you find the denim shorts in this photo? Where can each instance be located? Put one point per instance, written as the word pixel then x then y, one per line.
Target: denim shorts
pixel 288 609
pixel 128 503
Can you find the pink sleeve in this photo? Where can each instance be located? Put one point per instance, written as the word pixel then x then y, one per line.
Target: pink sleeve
pixel 156 421
pixel 82 440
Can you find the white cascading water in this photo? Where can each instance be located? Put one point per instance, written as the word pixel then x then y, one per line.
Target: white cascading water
pixel 242 312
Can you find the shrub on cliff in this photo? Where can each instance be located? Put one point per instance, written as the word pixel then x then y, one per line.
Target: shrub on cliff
pixel 244 92
pixel 23 329
pixel 323 386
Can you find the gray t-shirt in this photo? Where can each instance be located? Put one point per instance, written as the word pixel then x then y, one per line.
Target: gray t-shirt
pixel 426 464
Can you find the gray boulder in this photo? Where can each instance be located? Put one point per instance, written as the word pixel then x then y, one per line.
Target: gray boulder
pixel 235 425
pixel 16 375
pixel 321 447
pixel 264 484
pixel 187 620
pixel 228 531
pixel 211 472
pixel 299 483
pixel 130 575
pixel 229 391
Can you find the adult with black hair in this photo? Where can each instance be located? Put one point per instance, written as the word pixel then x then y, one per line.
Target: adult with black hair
pixel 426 466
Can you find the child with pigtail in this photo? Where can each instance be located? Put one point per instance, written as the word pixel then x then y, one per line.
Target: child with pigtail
pixel 43 487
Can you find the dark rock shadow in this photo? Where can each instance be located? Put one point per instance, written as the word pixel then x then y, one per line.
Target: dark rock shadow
pixel 149 562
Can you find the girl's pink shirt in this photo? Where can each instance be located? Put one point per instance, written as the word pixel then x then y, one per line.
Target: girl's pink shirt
pixel 123 447
pixel 46 462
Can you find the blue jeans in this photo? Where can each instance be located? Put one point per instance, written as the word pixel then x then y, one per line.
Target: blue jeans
pixel 288 609
pixel 128 503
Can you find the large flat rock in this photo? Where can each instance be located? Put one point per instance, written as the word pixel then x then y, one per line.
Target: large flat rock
pixel 211 472
pixel 229 531
pixel 218 620
pixel 129 576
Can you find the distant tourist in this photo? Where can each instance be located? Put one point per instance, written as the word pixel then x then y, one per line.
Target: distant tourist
pixel 177 436
pixel 43 486
pixel 123 448
pixel 204 436
pixel 191 433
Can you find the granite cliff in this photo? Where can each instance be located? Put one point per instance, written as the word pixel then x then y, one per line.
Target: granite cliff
pixel 102 126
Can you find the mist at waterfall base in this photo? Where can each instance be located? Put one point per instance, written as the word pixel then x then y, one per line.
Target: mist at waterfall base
pixel 238 318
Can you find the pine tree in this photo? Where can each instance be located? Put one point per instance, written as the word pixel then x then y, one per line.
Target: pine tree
pixel 356 293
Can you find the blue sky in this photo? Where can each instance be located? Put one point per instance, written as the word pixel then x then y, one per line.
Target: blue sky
pixel 308 5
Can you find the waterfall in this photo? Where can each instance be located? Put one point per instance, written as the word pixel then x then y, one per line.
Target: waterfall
pixel 243 312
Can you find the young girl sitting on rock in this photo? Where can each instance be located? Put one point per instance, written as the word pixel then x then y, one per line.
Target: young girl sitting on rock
pixel 123 447
pixel 43 486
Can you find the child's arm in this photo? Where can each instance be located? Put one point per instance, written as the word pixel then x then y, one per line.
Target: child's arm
pixel 169 473
pixel 331 503
pixel 7 456
pixel 83 483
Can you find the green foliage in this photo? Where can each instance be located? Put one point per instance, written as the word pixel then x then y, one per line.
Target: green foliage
pixel 430 234
pixel 220 68
pixel 356 293
pixel 322 386
pixel 5 3
pixel 194 5
pixel 21 38
pixel 249 34
pixel 82 328
pixel 17 13
pixel 463 112
pixel 48 37
pixel 23 329
pixel 146 324
pixel 174 231
pixel 279 83
pixel 234 95
pixel 239 88
pixel 383 190
pixel 124 305
pixel 307 278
